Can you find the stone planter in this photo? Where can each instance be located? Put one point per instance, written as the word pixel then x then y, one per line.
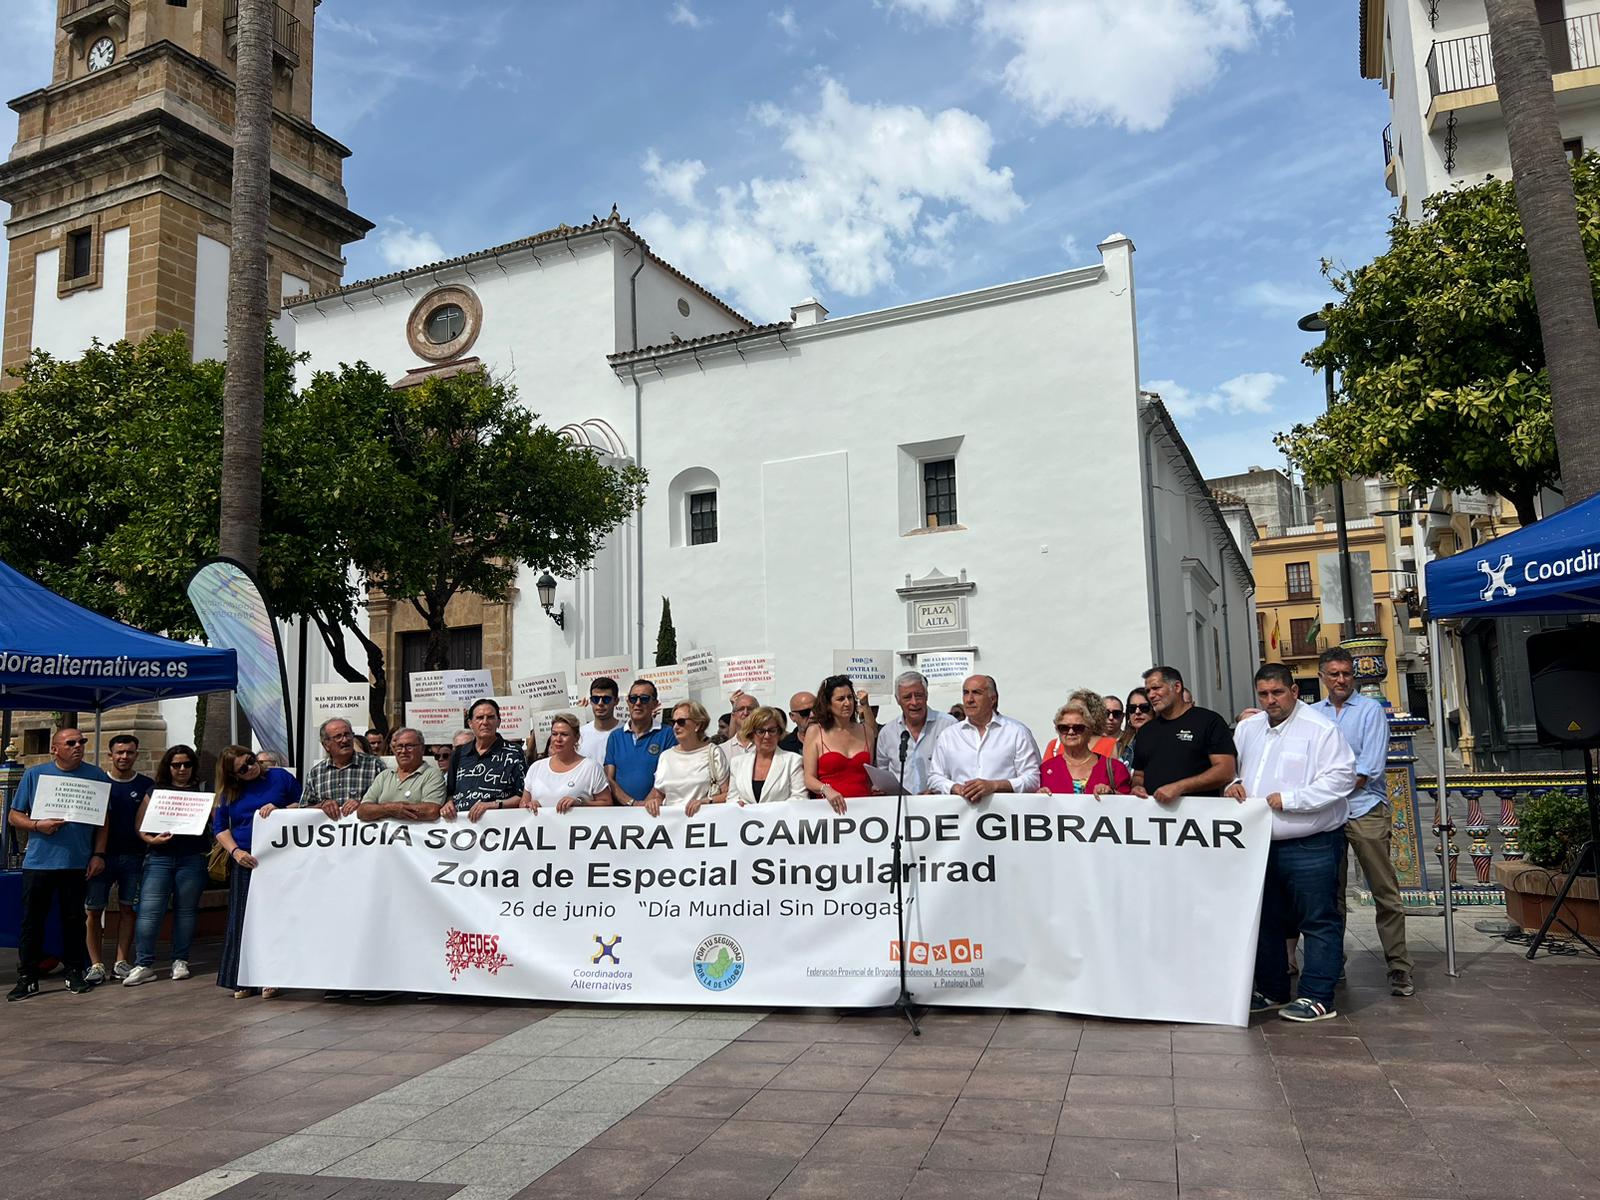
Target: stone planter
pixel 1531 890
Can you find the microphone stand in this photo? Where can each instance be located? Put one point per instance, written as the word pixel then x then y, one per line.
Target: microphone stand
pixel 902 1002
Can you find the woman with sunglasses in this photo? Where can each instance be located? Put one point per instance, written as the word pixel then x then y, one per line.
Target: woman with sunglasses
pixel 768 773
pixel 1140 714
pixel 1078 766
pixel 693 772
pixel 1099 741
pixel 243 791
pixel 839 743
pixel 175 870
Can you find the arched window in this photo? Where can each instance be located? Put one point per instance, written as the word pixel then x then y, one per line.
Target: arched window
pixel 692 504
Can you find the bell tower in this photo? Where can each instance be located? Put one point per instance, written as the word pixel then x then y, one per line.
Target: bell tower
pixel 120 178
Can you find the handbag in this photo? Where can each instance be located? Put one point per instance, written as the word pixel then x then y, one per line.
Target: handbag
pixel 217 863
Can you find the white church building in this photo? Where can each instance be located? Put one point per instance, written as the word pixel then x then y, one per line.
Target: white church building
pixel 823 483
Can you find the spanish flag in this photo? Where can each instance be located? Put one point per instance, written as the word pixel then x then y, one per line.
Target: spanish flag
pixel 1276 638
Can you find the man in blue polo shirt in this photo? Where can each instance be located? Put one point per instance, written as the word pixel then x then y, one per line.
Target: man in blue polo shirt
pixel 1365 726
pixel 62 857
pixel 633 751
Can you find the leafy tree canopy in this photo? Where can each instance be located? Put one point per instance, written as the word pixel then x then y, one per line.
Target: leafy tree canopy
pixel 1437 347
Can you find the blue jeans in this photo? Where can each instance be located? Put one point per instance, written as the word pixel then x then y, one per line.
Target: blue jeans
pixel 176 877
pixel 1302 890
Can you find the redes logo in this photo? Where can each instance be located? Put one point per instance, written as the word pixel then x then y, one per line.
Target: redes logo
pixel 473 951
pixel 718 962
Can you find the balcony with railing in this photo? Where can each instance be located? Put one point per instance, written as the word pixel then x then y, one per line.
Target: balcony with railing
pixel 79 17
pixel 285 33
pixel 1464 63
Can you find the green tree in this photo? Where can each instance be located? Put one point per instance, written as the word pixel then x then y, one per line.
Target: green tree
pixel 666 637
pixel 1438 350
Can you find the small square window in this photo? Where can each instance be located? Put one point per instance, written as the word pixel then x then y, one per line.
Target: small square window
pixel 939 493
pixel 1298 578
pixel 1573 148
pixel 702 518
pixel 80 253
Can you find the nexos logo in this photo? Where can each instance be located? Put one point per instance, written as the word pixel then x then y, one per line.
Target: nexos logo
pixel 957 950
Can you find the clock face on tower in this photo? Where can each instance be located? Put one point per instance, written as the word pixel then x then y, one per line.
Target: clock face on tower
pixel 102 54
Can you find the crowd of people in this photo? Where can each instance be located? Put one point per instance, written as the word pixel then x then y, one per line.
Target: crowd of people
pixel 1319 767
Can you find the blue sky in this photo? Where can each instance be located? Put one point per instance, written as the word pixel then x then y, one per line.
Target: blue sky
pixel 876 153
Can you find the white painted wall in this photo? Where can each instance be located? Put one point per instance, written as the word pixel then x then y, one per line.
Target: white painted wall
pixel 64 326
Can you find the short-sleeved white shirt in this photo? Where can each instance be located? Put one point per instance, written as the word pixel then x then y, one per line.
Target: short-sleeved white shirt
pixel 548 786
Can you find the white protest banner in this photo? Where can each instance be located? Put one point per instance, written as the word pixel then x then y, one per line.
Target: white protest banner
pixel 671 682
pixel 945 671
pixel 516 717
pixel 543 721
pixel 171 811
pixel 615 666
pixel 870 670
pixel 746 673
pixel 700 668
pixel 67 798
pixel 1110 906
pixel 467 686
pixel 426 685
pixel 542 691
pixel 339 701
pixel 437 723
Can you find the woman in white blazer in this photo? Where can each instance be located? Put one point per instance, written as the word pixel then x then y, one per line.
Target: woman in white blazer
pixel 766 773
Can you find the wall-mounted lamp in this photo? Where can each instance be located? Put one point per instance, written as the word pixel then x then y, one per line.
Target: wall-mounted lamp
pixel 546 587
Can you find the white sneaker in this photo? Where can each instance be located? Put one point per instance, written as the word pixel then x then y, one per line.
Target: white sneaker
pixel 138 975
pixel 122 968
pixel 95 974
pixel 180 969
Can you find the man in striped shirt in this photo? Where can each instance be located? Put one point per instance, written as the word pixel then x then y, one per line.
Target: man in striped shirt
pixel 337 783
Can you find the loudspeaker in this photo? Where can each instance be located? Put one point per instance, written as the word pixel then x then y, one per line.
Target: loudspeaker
pixel 1565 668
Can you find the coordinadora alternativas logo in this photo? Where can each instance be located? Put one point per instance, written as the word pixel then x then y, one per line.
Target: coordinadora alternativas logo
pixel 718 962
pixel 1533 571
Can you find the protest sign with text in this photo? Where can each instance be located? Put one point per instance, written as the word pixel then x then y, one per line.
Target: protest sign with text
pixel 516 717
pixel 67 798
pixel 746 673
pixel 172 811
pixel 671 682
pixel 436 722
pixel 1112 906
pixel 869 670
pixel 542 691
pixel 615 666
pixel 700 667
pixel 340 701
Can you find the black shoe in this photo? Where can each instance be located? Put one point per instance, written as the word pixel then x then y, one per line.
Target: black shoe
pixel 1400 983
pixel 23 989
pixel 77 984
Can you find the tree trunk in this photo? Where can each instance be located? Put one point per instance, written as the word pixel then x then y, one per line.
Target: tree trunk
pixel 1563 287
pixel 242 396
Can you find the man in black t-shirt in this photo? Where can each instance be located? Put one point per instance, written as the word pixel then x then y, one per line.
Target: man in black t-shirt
pixel 1186 750
pixel 124 862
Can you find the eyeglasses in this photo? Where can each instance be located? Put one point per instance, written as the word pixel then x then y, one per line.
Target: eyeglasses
pixel 602 699
pixel 76 742
pixel 768 732
pixel 405 745
pixel 642 698
pixel 1140 708
pixel 1065 730
pixel 676 721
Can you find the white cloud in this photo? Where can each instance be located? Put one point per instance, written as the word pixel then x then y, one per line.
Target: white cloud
pixel 682 14
pixel 675 180
pixel 1128 64
pixel 402 246
pixel 785 21
pixel 1286 299
pixel 1247 393
pixel 1071 249
pixel 869 186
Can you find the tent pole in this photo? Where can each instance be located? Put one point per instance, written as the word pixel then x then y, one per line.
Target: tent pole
pixel 97 735
pixel 233 718
pixel 1441 812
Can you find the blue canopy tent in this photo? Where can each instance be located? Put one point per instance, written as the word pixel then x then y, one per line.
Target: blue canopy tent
pixel 1549 568
pixel 57 656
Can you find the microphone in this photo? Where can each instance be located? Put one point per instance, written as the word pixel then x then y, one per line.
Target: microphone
pixel 905 741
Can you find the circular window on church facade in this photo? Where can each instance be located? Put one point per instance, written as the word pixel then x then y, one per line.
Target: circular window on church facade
pixel 445 323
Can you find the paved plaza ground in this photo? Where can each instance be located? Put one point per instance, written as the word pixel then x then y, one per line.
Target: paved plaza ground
pixel 1483 1086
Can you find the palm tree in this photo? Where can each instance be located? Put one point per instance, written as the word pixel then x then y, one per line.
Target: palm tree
pixel 1563 287
pixel 240 530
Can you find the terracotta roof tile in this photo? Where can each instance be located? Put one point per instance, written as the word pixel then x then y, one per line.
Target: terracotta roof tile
pixel 710 339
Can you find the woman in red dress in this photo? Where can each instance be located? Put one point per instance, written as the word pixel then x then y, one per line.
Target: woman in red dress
pixel 839 743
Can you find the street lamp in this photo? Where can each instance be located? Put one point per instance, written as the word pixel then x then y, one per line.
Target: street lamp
pixel 1317 322
pixel 546 587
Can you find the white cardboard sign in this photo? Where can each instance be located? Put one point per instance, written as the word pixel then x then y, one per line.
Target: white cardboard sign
pixel 542 691
pixel 65 798
pixel 671 682
pixel 436 722
pixel 700 668
pixel 172 811
pixel 615 666
pixel 747 672
pixel 515 717
pixel 340 701
pixel 869 670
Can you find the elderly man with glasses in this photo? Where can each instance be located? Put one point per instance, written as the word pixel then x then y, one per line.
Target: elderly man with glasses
pixel 61 858
pixel 411 790
pixel 337 783
pixel 634 750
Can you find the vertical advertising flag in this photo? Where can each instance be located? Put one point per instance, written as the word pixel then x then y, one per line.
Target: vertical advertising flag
pixel 235 615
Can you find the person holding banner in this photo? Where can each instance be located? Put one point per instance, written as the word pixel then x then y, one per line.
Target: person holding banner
pixel 1080 765
pixel 985 753
pixel 61 858
pixel 693 771
pixel 174 870
pixel 411 790
pixel 244 790
pixel 918 728
pixel 840 743
pixel 768 773
pixel 1299 761
pixel 634 751
pixel 563 777
pixel 337 783
pixel 1092 707
pixel 486 772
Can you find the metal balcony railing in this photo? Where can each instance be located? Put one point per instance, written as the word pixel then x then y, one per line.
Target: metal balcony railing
pixel 285 31
pixel 1465 62
pixel 1388 146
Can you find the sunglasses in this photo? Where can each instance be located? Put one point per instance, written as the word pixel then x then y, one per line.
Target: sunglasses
pixel 181 765
pixel 1140 708
pixel 1113 714
pixel 76 742
pixel 442 755
pixel 641 699
pixel 1064 730
pixel 246 763
pixel 676 721
pixel 602 699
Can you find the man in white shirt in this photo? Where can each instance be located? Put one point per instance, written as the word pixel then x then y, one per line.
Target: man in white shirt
pixel 743 704
pixel 920 729
pixel 986 753
pixel 1299 761
pixel 592 738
